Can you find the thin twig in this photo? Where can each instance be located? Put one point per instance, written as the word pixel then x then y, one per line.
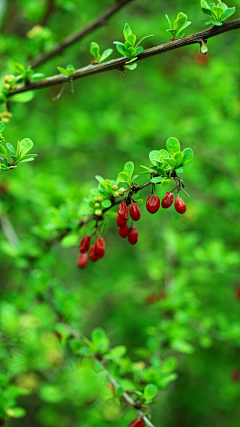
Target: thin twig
pixel 78 35
pixel 119 63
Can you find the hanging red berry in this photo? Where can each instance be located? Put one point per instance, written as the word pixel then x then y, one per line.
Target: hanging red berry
pixel 123 232
pixel 100 246
pixel 84 244
pixel 137 423
pixel 95 254
pixel 134 211
pixel 132 235
pixel 153 204
pixel 180 205
pixel 82 260
pixel 123 211
pixel 167 200
pixel 121 222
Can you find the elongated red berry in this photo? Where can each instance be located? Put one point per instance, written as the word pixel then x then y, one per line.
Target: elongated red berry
pixel 121 222
pixel 100 246
pixel 82 260
pixel 93 255
pixel 153 204
pixel 84 244
pixel 123 232
pixel 123 211
pixel 132 235
pixel 134 211
pixel 167 200
pixel 180 205
pixel 137 423
pixel 238 292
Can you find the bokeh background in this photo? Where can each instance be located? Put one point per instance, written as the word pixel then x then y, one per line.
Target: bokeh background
pixel 182 277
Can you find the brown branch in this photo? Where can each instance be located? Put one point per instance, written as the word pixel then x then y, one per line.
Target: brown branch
pixel 120 62
pixel 49 9
pixel 78 35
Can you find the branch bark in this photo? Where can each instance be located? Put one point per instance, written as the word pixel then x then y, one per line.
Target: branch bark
pixel 119 63
pixel 78 35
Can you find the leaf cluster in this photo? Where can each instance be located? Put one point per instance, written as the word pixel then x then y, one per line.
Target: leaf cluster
pixel 179 25
pixel 217 12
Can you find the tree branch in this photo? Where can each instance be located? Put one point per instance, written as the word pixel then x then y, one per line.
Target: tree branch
pixel 78 35
pixel 49 9
pixel 120 62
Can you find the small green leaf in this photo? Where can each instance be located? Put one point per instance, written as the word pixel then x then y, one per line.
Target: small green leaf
pixel 123 177
pixel 95 50
pixel 229 12
pixel 106 203
pixel 25 145
pixel 3 151
pixel 150 391
pixel 23 97
pixel 10 147
pixel 2 126
pixel 126 31
pixel 143 38
pixel 173 145
pixel 205 7
pixel 129 169
pixel 188 156
pixel 121 49
pixel 157 179
pixel 105 55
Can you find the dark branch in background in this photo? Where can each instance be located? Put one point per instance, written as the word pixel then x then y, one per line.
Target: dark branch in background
pixel 78 35
pixel 49 9
pixel 120 62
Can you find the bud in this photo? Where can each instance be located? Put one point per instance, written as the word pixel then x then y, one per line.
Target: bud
pixel 98 212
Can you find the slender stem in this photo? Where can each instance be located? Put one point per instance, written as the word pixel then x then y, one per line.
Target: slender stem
pixel 78 35
pixel 119 63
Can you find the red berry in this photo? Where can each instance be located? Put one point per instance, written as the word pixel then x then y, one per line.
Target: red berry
pixel 121 222
pixel 132 235
pixel 180 205
pixel 123 211
pixel 84 245
pixel 153 204
pixel 238 292
pixel 137 423
pixel 123 232
pixel 134 211
pixel 100 246
pixel 167 200
pixel 94 256
pixel 82 260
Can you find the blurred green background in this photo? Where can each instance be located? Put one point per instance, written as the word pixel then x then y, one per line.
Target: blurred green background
pixel 112 118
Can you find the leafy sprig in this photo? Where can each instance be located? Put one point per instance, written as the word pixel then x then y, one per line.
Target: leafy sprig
pixel 217 12
pixel 95 52
pixel 179 25
pixel 130 48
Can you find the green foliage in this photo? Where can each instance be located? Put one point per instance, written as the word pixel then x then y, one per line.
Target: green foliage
pixel 68 71
pixel 179 25
pixel 18 156
pixel 217 12
pixel 95 52
pixel 130 48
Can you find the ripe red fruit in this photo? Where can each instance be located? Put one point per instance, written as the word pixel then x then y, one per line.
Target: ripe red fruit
pixel 180 205
pixel 100 246
pixel 167 200
pixel 123 211
pixel 132 235
pixel 94 255
pixel 82 260
pixel 123 232
pixel 153 204
pixel 121 222
pixel 137 423
pixel 134 211
pixel 84 244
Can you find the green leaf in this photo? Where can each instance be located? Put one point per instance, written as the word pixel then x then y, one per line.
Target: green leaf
pixel 188 156
pixel 150 391
pixel 129 169
pixel 126 31
pixel 178 157
pixel 123 177
pixel 139 50
pixel 182 347
pixel 165 181
pixel 169 22
pixel 62 71
pixel 3 151
pixel 95 50
pixel 229 12
pixel 131 38
pixel 10 147
pixel 143 38
pixel 121 49
pixel 173 145
pixel 2 126
pixel 23 97
pixel 147 169
pixel 106 203
pixel 25 145
pixel 205 8
pixel 157 179
pixel 16 412
pixel 99 178
pixel 105 54
pixel 154 157
pixel 70 240
pixel 131 67
pixel 100 340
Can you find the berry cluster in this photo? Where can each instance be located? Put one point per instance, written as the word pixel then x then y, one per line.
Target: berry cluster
pixel 153 203
pixel 96 251
pixel 122 218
